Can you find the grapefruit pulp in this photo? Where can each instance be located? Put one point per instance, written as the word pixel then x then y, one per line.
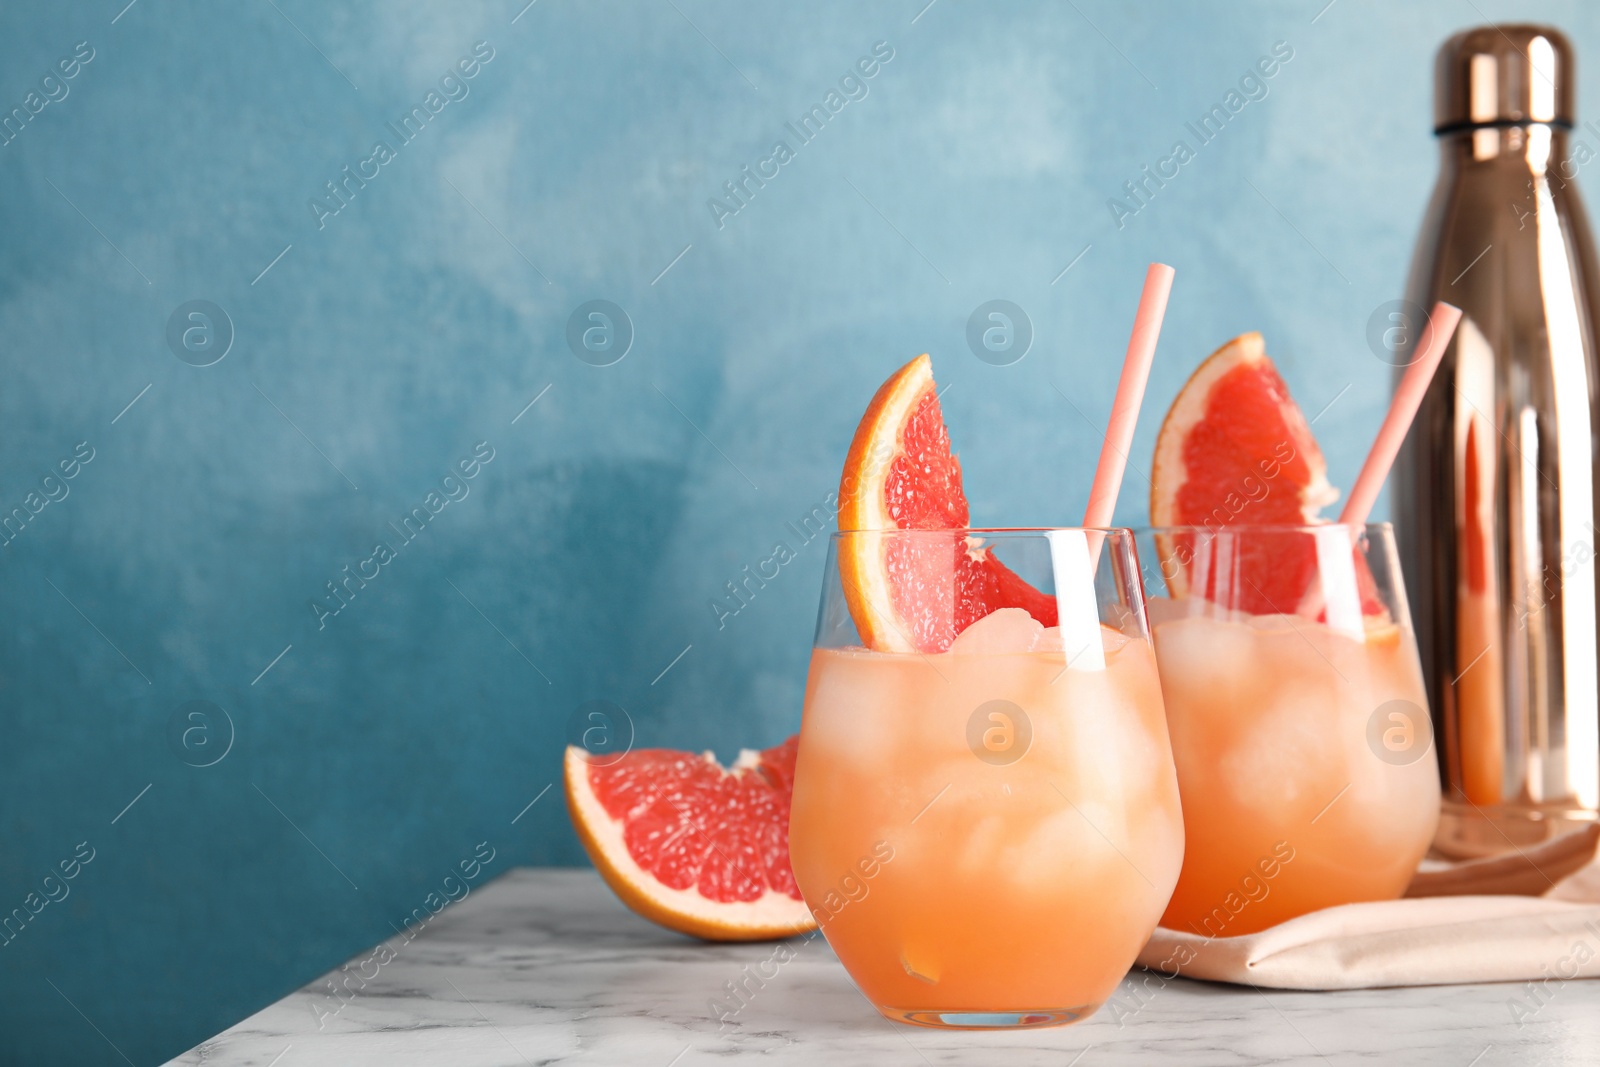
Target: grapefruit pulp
pixel 690 845
pixel 915 594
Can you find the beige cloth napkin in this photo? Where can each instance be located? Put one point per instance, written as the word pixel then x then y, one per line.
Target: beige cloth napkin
pixel 1532 915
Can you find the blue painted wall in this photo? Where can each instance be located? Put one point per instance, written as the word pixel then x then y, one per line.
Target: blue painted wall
pixel 400 329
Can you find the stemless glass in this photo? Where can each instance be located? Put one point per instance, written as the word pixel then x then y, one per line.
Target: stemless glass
pixel 987 834
pixel 1299 720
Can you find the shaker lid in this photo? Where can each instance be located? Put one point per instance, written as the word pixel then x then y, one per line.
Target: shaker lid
pixel 1503 75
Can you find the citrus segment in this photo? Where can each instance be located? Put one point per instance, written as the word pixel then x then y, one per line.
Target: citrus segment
pixel 1235 450
pixel 1234 447
pixel 690 845
pixel 915 594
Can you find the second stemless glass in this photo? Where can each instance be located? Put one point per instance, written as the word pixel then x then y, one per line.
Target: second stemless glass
pixel 987 834
pixel 1298 716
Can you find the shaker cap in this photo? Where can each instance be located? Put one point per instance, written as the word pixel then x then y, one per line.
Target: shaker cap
pixel 1503 75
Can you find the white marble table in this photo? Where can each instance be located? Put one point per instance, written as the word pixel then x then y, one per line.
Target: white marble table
pixel 546 967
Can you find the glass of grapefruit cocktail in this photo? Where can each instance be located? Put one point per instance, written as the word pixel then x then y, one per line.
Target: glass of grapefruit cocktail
pixel 1293 690
pixel 985 819
pixel 985 816
pixel 1298 717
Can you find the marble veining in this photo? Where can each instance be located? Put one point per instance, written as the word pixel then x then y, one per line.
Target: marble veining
pixel 546 967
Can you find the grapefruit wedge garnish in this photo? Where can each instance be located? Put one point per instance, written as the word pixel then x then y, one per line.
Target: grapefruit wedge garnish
pixel 915 594
pixel 1235 450
pixel 690 845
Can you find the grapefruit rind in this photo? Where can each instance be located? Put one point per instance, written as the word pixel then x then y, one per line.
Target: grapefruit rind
pixel 772 915
pixel 878 442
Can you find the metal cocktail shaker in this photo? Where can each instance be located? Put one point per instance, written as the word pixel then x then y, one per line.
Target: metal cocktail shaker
pixel 1495 493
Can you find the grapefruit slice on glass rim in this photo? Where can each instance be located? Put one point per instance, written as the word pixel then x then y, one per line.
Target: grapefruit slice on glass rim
pixel 690 845
pixel 1235 450
pixel 916 594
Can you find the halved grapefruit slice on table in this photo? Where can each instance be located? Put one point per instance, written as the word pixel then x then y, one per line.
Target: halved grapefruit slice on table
pixel 690 845
pixel 1235 450
pixel 915 594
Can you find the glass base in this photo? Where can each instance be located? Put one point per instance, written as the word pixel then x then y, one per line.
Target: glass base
pixel 1468 831
pixel 990 1020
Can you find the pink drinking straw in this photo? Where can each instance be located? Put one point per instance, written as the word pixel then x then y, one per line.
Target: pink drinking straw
pixel 1130 393
pixel 1402 409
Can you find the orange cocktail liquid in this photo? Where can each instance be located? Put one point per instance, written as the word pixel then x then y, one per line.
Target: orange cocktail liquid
pixel 1308 773
pixel 948 882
